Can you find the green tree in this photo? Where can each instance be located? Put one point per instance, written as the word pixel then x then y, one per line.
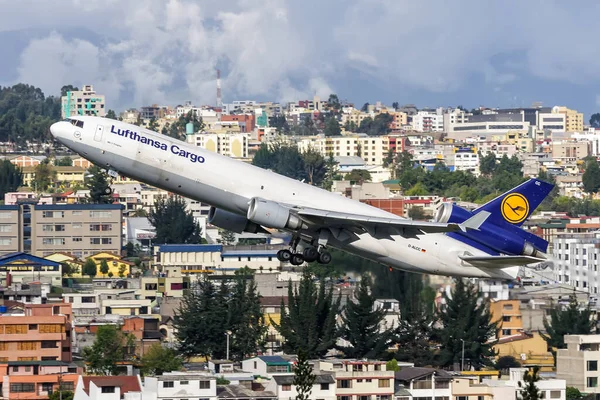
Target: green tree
pixel 309 322
pixel 104 267
pixel 591 177
pixel 96 181
pixel 392 365
pixel 417 213
pixel 573 393
pixel 160 359
pixel 89 268
pixel 68 88
pixel 63 162
pixel 44 176
pixel 570 320
pixel 365 107
pixel 65 395
pixel 173 224
pixel 464 317
pixel 227 237
pixel 487 163
pixel 334 102
pixel 415 340
pixel 395 105
pixel 380 125
pixel 529 390
pixel 282 158
pixel 304 378
pixel 110 114
pixel 153 125
pixel 595 120
pixel 362 323
pixel 110 275
pixel 201 321
pixel 330 172
pixel 315 166
pixel 110 347
pixel 417 190
pixel 332 127
pixel 505 363
pixel 122 270
pixel 245 319
pixel 358 175
pixel 10 177
pixel 68 269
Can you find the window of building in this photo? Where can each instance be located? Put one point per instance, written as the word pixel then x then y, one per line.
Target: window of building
pixel 77 239
pixel 506 332
pixel 67 386
pixel 324 386
pixel 204 384
pixel 47 386
pixel 100 214
pixel 22 387
pixel 592 365
pixel 47 358
pixel 16 329
pixel 108 389
pixel 5 228
pixel 53 241
pixel 49 344
pixel 506 318
pixel 76 225
pixel 344 384
pixel 592 382
pixel 168 384
pixel 33 327
pixel 507 307
pixel 53 214
pixel 51 328
pixel 286 388
pixel 183 382
pixel 383 383
pixel 5 215
pixel 59 228
pixel 5 241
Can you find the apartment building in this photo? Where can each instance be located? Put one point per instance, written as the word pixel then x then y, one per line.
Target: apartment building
pixel 66 176
pixel 373 150
pixel 168 283
pixel 576 260
pixel 36 379
pixel 24 268
pixel 233 145
pixel 42 333
pixel 569 151
pixel 83 102
pixel 509 315
pixel 428 121
pixel 578 364
pixel 359 379
pixel 424 383
pixel 323 387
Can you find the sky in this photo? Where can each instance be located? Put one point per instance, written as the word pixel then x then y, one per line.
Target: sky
pixel 429 53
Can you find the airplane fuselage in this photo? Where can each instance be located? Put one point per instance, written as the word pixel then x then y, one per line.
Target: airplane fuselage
pixel 229 184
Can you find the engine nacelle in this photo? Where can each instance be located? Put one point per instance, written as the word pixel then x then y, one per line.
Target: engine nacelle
pixel 507 239
pixel 231 222
pixel 273 215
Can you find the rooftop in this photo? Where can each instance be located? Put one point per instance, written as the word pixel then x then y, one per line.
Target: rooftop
pixel 125 383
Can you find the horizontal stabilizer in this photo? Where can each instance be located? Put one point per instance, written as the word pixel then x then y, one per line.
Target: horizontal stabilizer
pixel 500 261
pixel 475 221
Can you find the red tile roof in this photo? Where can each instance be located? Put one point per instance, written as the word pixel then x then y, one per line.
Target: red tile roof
pixel 126 383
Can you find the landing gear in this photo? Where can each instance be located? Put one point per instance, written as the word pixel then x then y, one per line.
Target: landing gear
pixel 302 251
pixel 310 254
pixel 284 255
pixel 297 259
pixel 324 257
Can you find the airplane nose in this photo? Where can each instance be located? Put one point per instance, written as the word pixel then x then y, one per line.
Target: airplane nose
pixel 54 128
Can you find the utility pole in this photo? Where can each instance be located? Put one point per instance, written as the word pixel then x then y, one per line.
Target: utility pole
pixel 462 363
pixel 227 352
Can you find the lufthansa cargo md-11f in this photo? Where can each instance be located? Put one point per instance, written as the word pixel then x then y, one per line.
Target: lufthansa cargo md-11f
pixel 487 242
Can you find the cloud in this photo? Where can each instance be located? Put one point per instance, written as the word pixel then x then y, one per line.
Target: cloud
pixel 166 52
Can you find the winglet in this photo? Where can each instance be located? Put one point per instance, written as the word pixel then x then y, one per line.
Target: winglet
pixel 475 221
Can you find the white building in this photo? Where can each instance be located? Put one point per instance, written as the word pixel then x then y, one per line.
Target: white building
pixel 83 102
pixel 372 149
pixel 108 388
pixel 578 363
pixel 267 366
pixel 425 383
pixel 552 121
pixel 428 121
pixel 576 260
pixel 228 144
pixel 323 388
pixel 392 313
pixel 180 385
pixel 593 138
pixel 359 379
pixel 466 161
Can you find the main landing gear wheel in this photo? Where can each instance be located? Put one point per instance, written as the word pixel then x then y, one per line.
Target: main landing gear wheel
pixel 297 259
pixel 284 255
pixel 310 254
pixel 324 257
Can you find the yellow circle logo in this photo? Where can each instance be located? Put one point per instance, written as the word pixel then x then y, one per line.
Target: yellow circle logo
pixel 515 208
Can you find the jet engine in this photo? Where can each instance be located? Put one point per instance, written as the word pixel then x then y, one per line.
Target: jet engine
pixel 231 222
pixel 504 238
pixel 273 215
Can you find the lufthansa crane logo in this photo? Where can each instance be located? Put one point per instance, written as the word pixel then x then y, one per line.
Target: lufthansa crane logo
pixel 515 208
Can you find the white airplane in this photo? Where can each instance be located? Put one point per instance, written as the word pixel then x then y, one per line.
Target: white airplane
pixel 485 243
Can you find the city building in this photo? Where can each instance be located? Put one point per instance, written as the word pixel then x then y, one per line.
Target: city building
pixel 83 102
pixel 168 283
pixel 529 348
pixel 424 383
pixel 323 387
pixel 576 260
pixel 42 333
pixel 116 266
pixel 578 363
pixel 65 176
pixel 37 379
pixel 372 149
pixel 569 151
pixel 233 145
pixel 356 379
pixel 181 385
pixel 21 267
pixel 509 315
pixel 573 119
pixel 428 121
pixel 108 388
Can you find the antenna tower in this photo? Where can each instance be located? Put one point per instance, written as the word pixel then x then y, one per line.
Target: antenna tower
pixel 219 98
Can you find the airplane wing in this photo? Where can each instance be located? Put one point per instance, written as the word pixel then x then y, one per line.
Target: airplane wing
pixel 500 261
pixel 406 227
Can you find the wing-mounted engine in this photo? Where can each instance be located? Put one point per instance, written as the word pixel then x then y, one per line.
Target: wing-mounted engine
pixel 273 215
pixel 500 236
pixel 232 222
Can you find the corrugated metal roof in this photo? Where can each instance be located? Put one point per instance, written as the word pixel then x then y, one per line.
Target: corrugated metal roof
pixel 190 248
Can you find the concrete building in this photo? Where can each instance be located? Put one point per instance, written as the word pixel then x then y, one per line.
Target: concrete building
pixel 42 333
pixel 428 121
pixel 529 348
pixel 569 151
pixel 373 150
pixel 168 283
pixel 359 379
pixel 25 268
pixel 83 102
pixel 233 145
pixel 576 260
pixel 578 363
pixel 509 315
pixel 573 119
pixel 323 388
pixel 180 385
pixel 108 388
pixel 425 383
pixel 552 121
pixel 36 379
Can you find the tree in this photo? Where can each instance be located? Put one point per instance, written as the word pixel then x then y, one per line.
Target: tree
pixel 122 270
pixel 160 359
pixel 330 172
pixel 414 336
pixel 89 268
pixel 464 318
pixel 65 395
pixel 570 320
pixel 104 267
pixel 365 107
pixel 417 213
pixel 334 102
pixel 63 162
pixel 96 181
pixel 110 347
pixel 44 176
pixel 201 321
pixel 110 114
pixel 153 125
pixel 361 325
pixel 392 365
pixel 227 237
pixel 504 363
pixel 173 224
pixel 595 120
pixel 487 163
pixel 245 319
pixel 304 378
pixel 529 390
pixel 591 177
pixel 358 176
pixel 395 105
pixel 10 177
pixel 315 166
pixel 69 269
pixel 309 322
pixel 573 393
pixel 68 88
pixel 332 127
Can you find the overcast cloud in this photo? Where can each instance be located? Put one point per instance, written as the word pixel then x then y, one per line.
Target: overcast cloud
pixel 432 53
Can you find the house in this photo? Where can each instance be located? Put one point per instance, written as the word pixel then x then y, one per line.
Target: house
pixel 360 378
pixel 181 385
pixel 266 366
pixel 116 266
pixel 323 388
pixel 423 383
pixel 67 258
pixel 24 267
pixel 529 348
pixel 243 392
pixel 106 387
pixel 36 379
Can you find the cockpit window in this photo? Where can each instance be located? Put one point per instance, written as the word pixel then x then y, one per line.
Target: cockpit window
pixel 74 122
